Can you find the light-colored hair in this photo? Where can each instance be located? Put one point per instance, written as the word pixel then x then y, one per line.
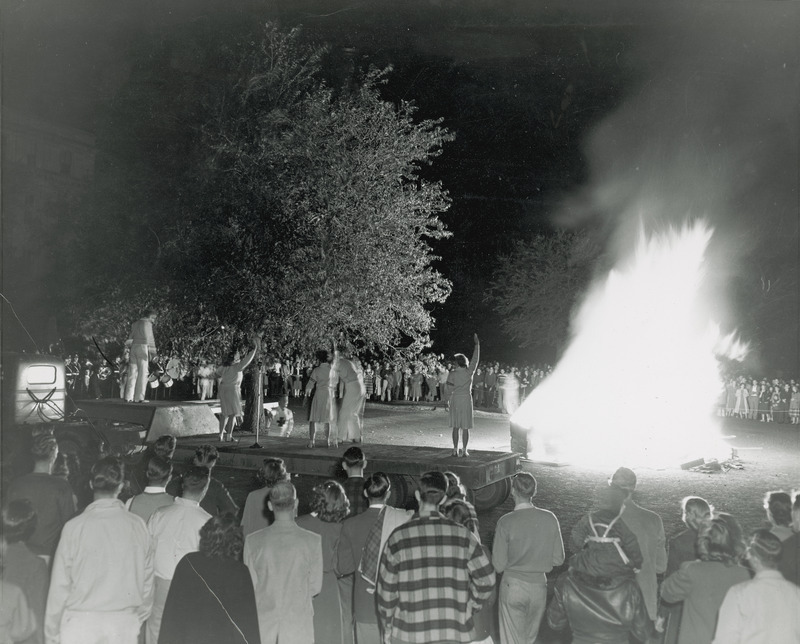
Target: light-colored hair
pixel 694 509
pixel 721 540
pixel 330 502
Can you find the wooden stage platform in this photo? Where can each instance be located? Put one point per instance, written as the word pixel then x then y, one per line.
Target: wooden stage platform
pixel 485 474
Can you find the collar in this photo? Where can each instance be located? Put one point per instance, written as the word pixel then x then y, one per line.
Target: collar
pixel 525 505
pixel 154 489
pixel 377 505
pixel 769 574
pixel 106 503
pixel 188 502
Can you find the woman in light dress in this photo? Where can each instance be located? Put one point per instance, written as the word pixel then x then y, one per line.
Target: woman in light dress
pixel 351 413
pixel 459 386
pixel 230 384
pixel 322 384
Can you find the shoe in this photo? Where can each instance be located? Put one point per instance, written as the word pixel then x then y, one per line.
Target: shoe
pixel 142 401
pixel 455 452
pixel 460 453
pixel 310 444
pixel 129 401
pixel 464 453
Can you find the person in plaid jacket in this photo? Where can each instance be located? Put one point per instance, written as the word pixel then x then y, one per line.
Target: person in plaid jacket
pixel 433 576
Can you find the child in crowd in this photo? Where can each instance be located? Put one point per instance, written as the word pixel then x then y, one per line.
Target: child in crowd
pixel 605 546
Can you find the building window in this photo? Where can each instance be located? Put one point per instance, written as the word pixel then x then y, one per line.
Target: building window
pixel 66 161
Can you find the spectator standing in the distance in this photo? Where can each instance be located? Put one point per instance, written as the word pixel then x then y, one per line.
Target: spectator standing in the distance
pixel 765 609
pixel 434 575
pixel 527 545
pixel 649 531
pixel 102 578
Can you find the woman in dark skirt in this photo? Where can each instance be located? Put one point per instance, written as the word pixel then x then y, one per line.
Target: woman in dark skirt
pixel 211 598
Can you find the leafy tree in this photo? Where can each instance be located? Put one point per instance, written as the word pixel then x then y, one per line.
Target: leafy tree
pixel 305 217
pixel 536 287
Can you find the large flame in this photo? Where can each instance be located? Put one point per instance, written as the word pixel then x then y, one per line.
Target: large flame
pixel 640 380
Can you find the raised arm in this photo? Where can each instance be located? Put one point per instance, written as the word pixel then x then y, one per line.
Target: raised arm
pixel 242 364
pixel 476 354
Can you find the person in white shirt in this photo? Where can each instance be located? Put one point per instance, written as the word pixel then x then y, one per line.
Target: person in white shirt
pixel 766 609
pixel 175 530
pixel 142 346
pixel 282 418
pixel 285 563
pixel 154 496
pixel 102 578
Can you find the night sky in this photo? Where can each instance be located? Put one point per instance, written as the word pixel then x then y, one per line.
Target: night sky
pixel 565 114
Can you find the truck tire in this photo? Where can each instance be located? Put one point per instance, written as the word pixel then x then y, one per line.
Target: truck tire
pixel 492 495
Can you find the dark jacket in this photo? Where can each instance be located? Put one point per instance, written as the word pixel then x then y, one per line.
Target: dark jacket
pixel 599 610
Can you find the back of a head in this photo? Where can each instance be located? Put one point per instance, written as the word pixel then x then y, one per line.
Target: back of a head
pixel 459 512
pixel 609 498
pixel 330 502
pixel 222 537
pixel 524 484
pixel 432 487
pixel 206 456
pixel 165 446
pixel 321 355
pixel 19 520
pixel 353 457
pixel 44 447
pixel 695 511
pixel 107 474
pixel 271 471
pixel 377 486
pixel 778 505
pixel 159 469
pixel 766 546
pixel 461 360
pixel 195 480
pixel 455 490
pixel 283 496
pixel 624 478
pixel 721 540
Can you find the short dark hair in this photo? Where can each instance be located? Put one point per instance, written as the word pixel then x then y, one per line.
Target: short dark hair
pixel 766 546
pixel 148 312
pixel 19 520
pixel 778 505
pixel 330 502
pixel 195 478
pixel 271 471
pixel 377 485
pixel 353 456
pixel 525 484
pixel 721 540
pixel 691 506
pixel 432 487
pixel 206 455
pixel 43 447
pixel 461 360
pixel 158 469
pixel 165 446
pixel 282 496
pixel 107 474
pixel 321 355
pixel 222 537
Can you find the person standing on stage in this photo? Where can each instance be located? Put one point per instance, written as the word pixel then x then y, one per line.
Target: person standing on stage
pixel 230 384
pixel 322 383
pixel 459 385
pixel 142 346
pixel 351 413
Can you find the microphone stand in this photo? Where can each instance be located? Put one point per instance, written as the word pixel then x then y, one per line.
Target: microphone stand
pixel 258 401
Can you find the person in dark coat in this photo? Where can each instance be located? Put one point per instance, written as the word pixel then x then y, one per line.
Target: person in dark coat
pixel 211 598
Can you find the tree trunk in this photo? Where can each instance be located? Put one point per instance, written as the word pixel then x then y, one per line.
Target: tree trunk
pixel 254 401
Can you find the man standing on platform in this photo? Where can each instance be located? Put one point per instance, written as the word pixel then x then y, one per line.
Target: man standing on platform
pixel 527 545
pixel 142 347
pixel 649 531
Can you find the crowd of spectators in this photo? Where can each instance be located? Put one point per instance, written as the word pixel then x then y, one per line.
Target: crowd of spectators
pixel 179 564
pixel 768 401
